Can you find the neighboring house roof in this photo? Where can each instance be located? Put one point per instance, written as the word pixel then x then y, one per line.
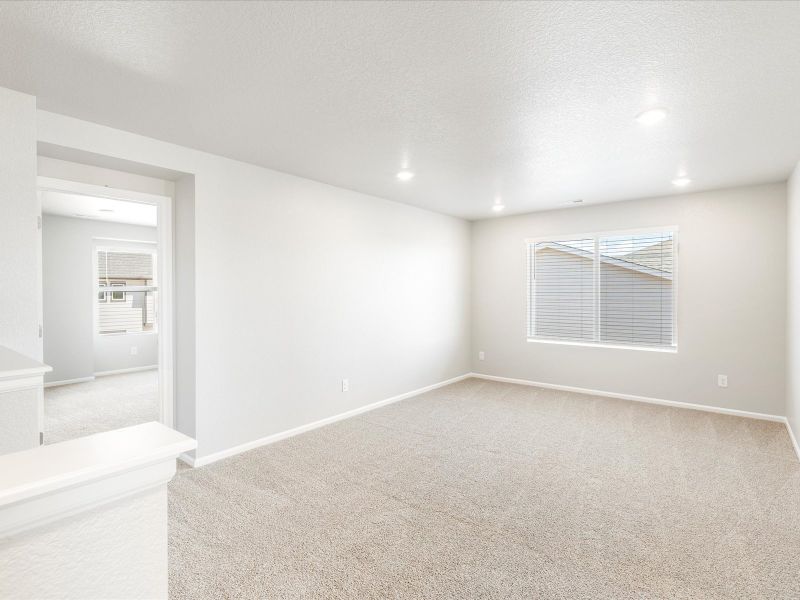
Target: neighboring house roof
pixel 625 261
pixel 124 265
pixel 656 256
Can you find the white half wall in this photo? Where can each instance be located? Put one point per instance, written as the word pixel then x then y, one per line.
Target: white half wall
pixel 71 345
pixel 731 301
pixel 20 241
pixel 793 312
pixel 300 284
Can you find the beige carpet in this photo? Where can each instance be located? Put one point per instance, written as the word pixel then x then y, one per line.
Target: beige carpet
pixel 489 490
pixel 109 402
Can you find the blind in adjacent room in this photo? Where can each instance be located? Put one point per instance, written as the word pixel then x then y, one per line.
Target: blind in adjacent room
pixel 604 289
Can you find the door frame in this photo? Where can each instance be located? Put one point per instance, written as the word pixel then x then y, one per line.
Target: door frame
pixel 164 264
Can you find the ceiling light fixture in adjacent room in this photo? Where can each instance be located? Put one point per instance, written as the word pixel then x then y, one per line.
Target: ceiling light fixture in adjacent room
pixel 681 181
pixel 106 210
pixel 405 175
pixel 498 205
pixel 652 116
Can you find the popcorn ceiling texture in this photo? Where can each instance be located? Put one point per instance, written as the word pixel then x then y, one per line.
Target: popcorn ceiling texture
pixel 533 101
pixel 491 490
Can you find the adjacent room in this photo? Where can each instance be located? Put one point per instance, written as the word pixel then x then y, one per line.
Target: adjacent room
pixel 362 300
pixel 99 286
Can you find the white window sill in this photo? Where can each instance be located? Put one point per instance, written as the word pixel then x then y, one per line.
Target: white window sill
pixel 667 349
pixel 121 333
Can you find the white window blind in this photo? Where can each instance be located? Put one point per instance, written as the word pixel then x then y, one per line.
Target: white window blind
pixel 604 289
pixel 563 306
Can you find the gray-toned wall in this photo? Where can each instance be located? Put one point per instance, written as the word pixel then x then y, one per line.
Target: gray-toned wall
pixel 731 301
pixel 71 346
pixel 793 307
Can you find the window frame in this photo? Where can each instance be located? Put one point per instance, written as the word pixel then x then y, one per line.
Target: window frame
pixel 117 285
pixel 530 302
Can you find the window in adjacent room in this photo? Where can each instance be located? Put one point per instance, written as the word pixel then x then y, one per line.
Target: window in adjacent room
pixel 126 289
pixel 605 289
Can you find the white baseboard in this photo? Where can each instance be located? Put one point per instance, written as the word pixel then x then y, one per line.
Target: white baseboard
pixel 275 437
pixel 121 371
pixel 188 459
pixel 675 403
pixel 793 438
pixel 68 381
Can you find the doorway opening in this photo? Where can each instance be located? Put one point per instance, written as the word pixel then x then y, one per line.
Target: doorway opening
pixel 107 300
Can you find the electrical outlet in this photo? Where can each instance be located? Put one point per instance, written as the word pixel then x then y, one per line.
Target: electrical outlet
pixel 722 380
pixel 481 355
pixel 345 385
pixel 134 350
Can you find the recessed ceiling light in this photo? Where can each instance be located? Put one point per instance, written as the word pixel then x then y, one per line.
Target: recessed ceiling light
pixel 405 175
pixel 681 181
pixel 498 205
pixel 578 201
pixel 652 116
pixel 106 210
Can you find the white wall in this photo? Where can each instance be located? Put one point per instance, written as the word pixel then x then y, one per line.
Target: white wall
pixel 113 550
pixel 71 345
pixel 731 301
pixel 793 313
pixel 94 175
pixel 20 276
pixel 299 284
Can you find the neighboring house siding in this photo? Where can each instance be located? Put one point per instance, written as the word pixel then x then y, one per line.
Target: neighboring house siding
pixel 564 304
pixel 635 308
pixel 119 317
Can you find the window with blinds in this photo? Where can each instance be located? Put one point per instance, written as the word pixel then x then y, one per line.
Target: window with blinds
pixel 126 291
pixel 603 289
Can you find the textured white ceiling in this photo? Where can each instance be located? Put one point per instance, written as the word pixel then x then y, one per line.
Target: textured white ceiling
pixel 534 102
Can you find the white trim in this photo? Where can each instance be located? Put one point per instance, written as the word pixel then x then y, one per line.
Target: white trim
pixel 14 365
pixel 674 403
pixel 50 384
pixel 129 370
pixel 72 501
pixel 48 483
pixel 54 184
pixel 275 437
pixel 164 275
pixel 145 244
pixel 795 445
pixel 612 232
pixel 669 349
pixel 21 383
pixel 166 312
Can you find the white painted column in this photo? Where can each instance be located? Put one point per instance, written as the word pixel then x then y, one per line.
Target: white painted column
pixel 87 518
